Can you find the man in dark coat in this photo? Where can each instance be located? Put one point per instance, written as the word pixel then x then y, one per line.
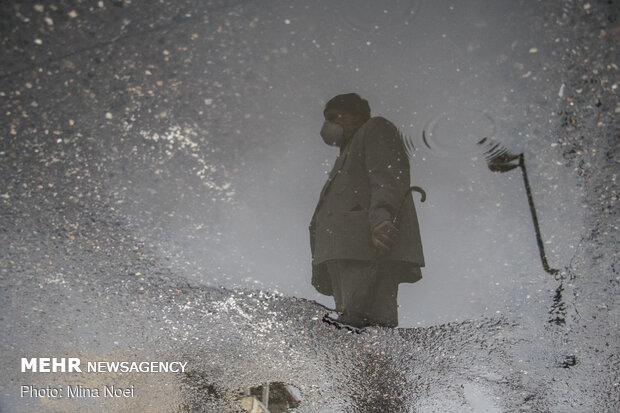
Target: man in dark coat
pixel 364 233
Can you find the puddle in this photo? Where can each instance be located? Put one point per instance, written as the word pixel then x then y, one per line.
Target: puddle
pixel 456 79
pixel 189 146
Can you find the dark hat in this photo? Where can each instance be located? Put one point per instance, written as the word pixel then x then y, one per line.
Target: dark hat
pixel 350 102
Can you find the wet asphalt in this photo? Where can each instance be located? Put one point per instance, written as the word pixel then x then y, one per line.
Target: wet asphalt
pixel 125 124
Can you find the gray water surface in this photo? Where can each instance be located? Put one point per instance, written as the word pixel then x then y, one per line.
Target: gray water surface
pixel 454 73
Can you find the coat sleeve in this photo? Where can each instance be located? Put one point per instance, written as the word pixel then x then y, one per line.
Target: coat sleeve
pixel 388 170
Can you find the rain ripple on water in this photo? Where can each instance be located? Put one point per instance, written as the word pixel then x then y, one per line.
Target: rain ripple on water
pixel 455 133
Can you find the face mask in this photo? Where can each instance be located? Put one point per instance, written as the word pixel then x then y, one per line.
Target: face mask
pixel 332 133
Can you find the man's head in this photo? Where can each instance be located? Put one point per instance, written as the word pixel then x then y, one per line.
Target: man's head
pixel 348 111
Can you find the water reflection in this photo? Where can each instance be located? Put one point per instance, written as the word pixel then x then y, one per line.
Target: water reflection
pixel 276 397
pixel 364 233
pixel 499 159
pixel 462 72
pixel 368 188
pixel 272 397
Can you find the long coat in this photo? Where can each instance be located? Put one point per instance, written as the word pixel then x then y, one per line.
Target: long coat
pixel 366 186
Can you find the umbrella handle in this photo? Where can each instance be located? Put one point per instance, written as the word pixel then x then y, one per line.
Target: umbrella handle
pixel 418 189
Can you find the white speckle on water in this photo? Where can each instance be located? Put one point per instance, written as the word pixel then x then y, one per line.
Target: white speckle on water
pixel 177 139
pixel 561 92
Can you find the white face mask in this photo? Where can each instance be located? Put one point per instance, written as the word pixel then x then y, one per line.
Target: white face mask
pixel 332 133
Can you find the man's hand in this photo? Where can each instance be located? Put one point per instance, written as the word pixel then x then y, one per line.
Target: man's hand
pixel 384 236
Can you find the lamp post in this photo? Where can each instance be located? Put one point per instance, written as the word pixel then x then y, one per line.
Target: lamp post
pixel 499 159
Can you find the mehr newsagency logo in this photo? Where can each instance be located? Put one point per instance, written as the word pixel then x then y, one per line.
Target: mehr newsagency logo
pixel 76 365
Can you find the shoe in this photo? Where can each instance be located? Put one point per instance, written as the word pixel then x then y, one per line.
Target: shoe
pixel 340 325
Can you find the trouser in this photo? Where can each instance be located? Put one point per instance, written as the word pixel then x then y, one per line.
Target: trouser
pixel 365 292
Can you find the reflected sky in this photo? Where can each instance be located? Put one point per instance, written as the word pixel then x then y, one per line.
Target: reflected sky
pixel 448 74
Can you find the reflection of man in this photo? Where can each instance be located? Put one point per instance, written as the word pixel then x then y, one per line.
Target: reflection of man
pixel 364 233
